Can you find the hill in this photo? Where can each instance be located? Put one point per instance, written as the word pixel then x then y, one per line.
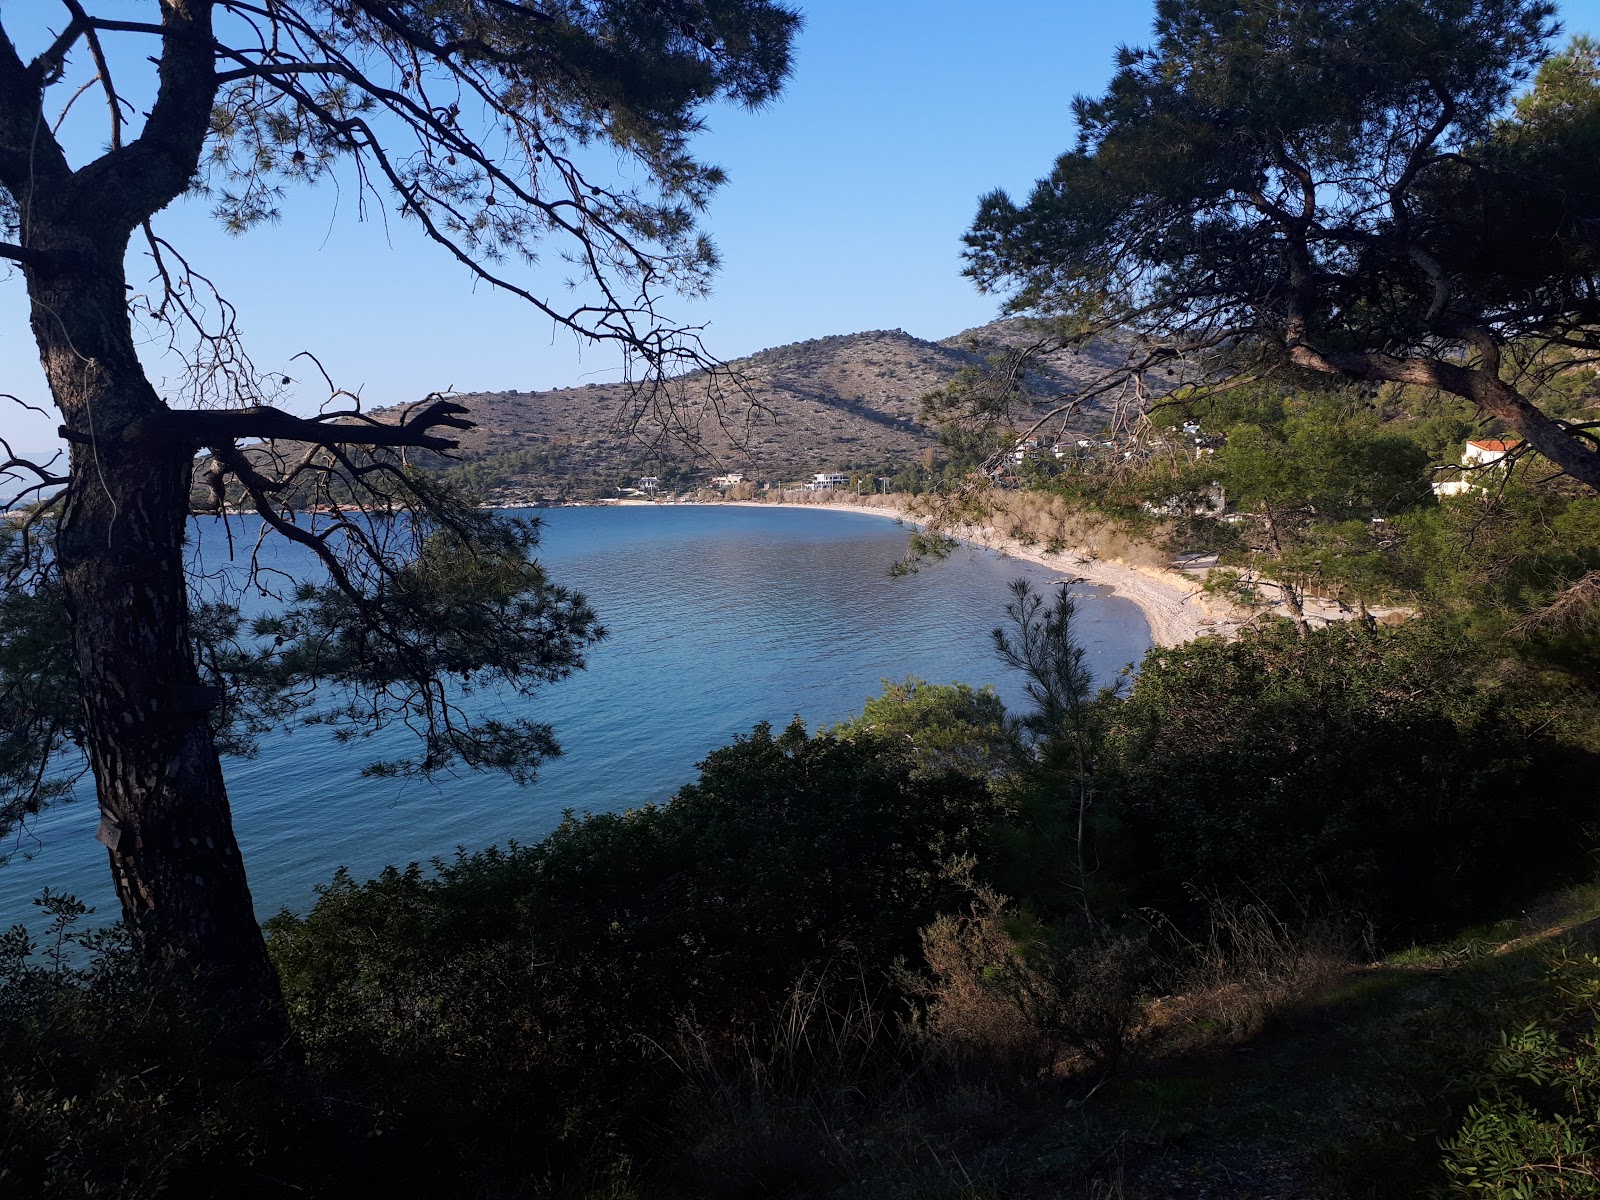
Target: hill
pixel 849 402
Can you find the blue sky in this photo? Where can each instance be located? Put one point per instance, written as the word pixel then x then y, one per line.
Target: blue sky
pixel 844 211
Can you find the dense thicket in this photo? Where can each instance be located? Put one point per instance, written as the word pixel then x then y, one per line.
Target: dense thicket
pixel 1406 775
pixel 535 1017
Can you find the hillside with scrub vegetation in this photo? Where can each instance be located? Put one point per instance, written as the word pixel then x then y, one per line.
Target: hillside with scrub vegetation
pixel 1318 501
pixel 849 403
pixel 1308 911
pixel 1260 922
pixel 1304 912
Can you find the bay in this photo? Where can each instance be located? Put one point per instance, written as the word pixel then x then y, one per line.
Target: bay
pixel 719 617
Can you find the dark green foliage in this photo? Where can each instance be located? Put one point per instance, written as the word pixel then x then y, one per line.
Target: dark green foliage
pixel 459 605
pixel 471 608
pixel 514 1023
pixel 1056 835
pixel 124 1079
pixel 1404 774
pixel 512 993
pixel 948 727
pixel 1041 643
pixel 38 698
pixel 790 849
pixel 1333 187
pixel 634 76
pixel 1319 474
pixel 1178 164
pixel 1497 563
pixel 1486 1083
pixel 1324 454
pixel 1533 1132
pixel 545 1019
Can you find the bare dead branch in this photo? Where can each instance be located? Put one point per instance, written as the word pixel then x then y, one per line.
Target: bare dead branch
pixel 1575 607
pixel 222 428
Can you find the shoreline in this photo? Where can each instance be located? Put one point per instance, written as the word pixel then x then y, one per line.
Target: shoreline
pixel 1174 607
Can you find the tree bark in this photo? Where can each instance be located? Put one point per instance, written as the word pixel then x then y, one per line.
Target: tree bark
pixel 165 818
pixel 1290 593
pixel 165 815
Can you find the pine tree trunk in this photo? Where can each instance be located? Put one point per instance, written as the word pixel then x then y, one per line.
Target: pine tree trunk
pixel 165 816
pixel 1290 594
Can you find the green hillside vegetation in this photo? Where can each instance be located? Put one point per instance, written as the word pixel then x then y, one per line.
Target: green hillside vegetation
pixel 939 950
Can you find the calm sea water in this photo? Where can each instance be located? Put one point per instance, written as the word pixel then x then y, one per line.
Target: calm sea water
pixel 720 617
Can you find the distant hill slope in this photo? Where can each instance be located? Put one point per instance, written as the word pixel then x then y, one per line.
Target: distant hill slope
pixel 838 403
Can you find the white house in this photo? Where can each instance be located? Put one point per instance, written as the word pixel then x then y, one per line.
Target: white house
pixel 826 481
pixel 1481 454
pixel 1023 448
pixel 729 480
pixel 1476 456
pixel 649 484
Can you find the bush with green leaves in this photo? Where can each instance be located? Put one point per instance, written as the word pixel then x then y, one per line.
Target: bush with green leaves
pixel 1534 1131
pixel 540 987
pixel 1404 774
pixel 948 727
pixel 122 1078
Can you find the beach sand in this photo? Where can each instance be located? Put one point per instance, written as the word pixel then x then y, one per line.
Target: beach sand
pixel 1172 602
pixel 1172 599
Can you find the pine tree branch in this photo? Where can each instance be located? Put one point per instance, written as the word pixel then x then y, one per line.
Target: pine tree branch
pixel 21 254
pixel 47 66
pixel 225 427
pixel 29 152
pixel 131 182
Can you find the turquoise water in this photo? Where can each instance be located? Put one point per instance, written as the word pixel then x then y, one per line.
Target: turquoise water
pixel 719 617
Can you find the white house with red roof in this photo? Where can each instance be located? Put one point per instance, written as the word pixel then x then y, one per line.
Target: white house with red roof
pixel 1490 450
pixel 1475 456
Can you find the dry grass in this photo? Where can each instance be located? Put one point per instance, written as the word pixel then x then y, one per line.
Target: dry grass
pixel 1028 1006
pixel 1056 524
pixel 970 1020
pixel 1251 967
pixel 984 1092
pixel 828 1098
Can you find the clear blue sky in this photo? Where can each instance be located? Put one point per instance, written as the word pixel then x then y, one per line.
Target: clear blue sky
pixel 844 210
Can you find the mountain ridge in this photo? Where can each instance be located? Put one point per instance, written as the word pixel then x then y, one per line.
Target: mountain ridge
pixel 843 402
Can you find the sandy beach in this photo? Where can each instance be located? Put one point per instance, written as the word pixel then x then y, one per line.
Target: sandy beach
pixel 1172 602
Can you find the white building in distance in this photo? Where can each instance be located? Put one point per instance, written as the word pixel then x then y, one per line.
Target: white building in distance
pixel 1476 456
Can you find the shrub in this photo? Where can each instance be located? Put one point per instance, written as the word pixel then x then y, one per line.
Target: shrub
pixel 123 1078
pixel 967 1017
pixel 1402 774
pixel 515 994
pixel 948 727
pixel 1008 995
pixel 1534 1131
